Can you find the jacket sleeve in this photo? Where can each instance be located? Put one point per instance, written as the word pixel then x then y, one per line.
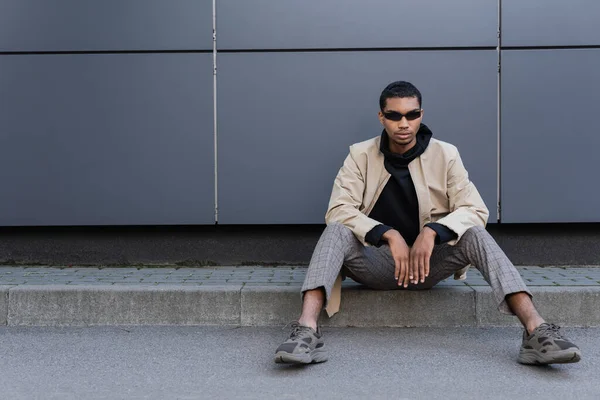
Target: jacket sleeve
pixel 347 198
pixel 467 208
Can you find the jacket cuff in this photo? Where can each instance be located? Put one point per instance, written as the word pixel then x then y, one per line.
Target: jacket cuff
pixel 373 237
pixel 444 234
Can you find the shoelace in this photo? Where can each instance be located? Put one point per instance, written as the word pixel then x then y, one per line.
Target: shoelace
pixel 297 329
pixel 551 330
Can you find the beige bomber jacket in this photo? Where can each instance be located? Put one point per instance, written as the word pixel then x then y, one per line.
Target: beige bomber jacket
pixel 444 192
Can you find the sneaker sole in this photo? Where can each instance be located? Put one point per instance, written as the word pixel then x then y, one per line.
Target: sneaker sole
pixel 315 356
pixel 534 357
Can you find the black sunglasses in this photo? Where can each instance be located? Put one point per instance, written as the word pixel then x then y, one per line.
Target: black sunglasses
pixel 396 116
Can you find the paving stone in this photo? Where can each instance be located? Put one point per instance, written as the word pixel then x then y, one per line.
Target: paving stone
pixel 87 279
pixel 39 269
pixel 263 284
pixel 451 283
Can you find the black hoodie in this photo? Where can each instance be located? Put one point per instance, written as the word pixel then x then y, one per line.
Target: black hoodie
pixel 398 207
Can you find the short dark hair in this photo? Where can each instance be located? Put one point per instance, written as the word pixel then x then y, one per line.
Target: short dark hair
pixel 399 89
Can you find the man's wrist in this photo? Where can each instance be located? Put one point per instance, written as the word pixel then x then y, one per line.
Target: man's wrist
pixel 429 232
pixel 391 235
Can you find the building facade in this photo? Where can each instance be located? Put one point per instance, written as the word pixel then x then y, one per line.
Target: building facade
pixel 177 112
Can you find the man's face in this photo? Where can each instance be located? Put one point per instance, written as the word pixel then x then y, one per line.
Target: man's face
pixel 401 119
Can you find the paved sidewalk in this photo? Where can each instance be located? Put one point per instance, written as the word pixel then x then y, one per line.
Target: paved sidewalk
pixel 264 296
pixel 253 276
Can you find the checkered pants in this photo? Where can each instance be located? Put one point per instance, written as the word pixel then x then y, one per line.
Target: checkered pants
pixel 339 250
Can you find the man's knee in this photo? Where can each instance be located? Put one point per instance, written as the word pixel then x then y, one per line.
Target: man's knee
pixel 339 230
pixel 475 232
pixel 474 235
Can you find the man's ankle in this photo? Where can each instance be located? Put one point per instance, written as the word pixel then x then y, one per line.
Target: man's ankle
pixel 310 324
pixel 533 326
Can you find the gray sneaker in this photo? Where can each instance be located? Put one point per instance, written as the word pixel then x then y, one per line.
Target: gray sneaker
pixel 304 346
pixel 548 345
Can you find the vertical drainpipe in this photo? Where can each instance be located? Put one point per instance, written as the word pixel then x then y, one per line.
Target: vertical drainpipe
pixel 499 111
pixel 214 30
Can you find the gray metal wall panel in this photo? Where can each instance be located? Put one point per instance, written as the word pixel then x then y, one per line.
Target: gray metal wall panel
pixel 286 121
pixel 83 25
pixel 106 139
pixel 550 22
pixel 274 24
pixel 550 137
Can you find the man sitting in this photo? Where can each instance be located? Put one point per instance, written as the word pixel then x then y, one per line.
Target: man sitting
pixel 403 214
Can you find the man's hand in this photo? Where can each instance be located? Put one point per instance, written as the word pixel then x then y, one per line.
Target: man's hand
pixel 420 255
pixel 401 254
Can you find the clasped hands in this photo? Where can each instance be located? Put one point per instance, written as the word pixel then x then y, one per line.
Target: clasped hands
pixel 412 263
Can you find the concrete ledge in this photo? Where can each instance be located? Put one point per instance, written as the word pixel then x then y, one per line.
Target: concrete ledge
pixel 563 305
pixel 487 313
pixel 63 305
pixel 442 306
pixel 362 307
pixel 4 304
pixel 270 305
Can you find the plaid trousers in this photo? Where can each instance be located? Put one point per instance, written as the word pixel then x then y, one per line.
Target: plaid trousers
pixel 339 250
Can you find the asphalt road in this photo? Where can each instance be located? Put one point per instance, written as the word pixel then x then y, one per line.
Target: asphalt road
pixel 228 363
